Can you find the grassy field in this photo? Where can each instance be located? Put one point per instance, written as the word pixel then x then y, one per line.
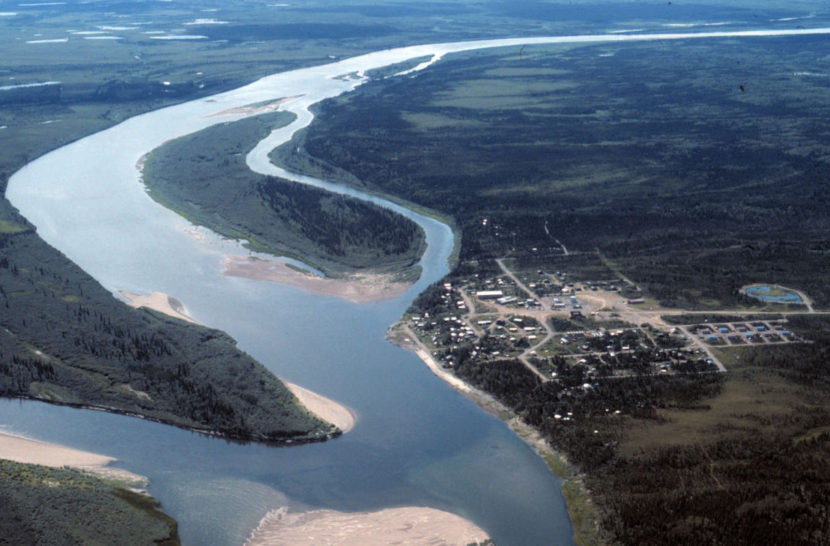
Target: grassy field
pixel 754 402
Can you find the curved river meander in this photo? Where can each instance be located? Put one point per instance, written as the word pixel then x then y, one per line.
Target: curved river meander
pixel 416 442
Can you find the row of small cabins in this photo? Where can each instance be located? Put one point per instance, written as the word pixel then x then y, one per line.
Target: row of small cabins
pixel 737 333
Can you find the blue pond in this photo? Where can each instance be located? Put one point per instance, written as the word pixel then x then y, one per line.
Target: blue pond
pixel 773 294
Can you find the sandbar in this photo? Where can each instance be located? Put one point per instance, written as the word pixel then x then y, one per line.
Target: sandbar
pixel 324 408
pixel 358 288
pixel 24 450
pixel 160 302
pixel 407 525
pixel 252 109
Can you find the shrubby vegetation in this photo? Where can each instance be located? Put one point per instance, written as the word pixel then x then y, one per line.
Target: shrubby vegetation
pixel 804 363
pixel 204 177
pixel 538 403
pixel 754 474
pixel 742 490
pixel 60 506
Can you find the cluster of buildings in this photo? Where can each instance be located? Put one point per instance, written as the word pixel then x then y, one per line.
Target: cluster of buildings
pixel 492 333
pixel 741 333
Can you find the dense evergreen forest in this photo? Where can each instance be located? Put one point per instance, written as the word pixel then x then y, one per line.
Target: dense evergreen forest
pixel 64 339
pixel 696 168
pixel 61 506
pixel 204 177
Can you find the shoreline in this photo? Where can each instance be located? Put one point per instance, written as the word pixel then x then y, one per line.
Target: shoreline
pixel 212 433
pixel 357 288
pixel 325 408
pixel 159 301
pixel 25 450
pixel 581 509
pixel 320 406
pixel 409 525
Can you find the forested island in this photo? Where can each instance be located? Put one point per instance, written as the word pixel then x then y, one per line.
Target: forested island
pixel 71 342
pixel 204 178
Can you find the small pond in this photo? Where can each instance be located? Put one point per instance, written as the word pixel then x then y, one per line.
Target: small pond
pixel 773 294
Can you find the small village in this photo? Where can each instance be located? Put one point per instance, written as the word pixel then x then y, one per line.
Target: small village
pixel 596 330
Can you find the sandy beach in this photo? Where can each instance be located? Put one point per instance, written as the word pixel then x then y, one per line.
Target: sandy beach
pixel 324 408
pixel 407 525
pixel 361 288
pixel 573 480
pixel 403 337
pixel 159 302
pixel 24 450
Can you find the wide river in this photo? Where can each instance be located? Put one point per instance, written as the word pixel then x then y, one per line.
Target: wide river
pixel 416 441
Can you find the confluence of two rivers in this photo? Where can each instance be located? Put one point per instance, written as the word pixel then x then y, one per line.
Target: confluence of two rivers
pixel 416 441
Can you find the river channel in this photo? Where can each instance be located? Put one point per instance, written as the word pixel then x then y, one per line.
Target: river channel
pixel 416 441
